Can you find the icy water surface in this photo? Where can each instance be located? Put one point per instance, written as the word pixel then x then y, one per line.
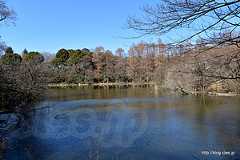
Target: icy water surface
pixel 131 124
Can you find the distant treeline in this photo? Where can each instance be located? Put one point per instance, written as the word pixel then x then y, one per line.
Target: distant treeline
pixel 188 67
pixel 102 66
pixel 142 63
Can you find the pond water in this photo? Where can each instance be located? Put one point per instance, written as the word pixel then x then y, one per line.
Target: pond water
pixel 131 124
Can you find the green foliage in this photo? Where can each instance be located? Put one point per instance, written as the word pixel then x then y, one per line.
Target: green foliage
pixel 9 58
pixel 70 57
pixel 25 51
pixel 33 57
pixel 77 55
pixel 62 55
pixel 73 51
pixel 85 50
pixel 9 50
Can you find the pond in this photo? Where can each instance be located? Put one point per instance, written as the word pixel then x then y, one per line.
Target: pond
pixel 133 123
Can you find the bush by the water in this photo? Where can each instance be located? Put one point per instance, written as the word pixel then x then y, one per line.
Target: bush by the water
pixel 20 85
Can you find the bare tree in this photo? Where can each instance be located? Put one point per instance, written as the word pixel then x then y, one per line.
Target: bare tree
pixel 209 24
pixel 6 15
pixel 121 66
pixel 217 21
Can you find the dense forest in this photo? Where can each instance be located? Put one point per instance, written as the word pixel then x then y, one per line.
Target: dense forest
pixel 84 66
pixel 183 66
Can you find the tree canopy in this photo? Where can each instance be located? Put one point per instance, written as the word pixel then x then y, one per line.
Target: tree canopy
pixel 11 58
pixel 33 57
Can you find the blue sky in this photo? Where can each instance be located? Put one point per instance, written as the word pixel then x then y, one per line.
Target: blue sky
pixel 48 25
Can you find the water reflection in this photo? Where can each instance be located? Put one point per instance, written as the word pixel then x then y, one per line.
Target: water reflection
pixel 127 124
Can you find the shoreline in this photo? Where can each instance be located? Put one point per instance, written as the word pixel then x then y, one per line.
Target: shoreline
pixel 65 85
pixel 133 85
pixel 230 94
